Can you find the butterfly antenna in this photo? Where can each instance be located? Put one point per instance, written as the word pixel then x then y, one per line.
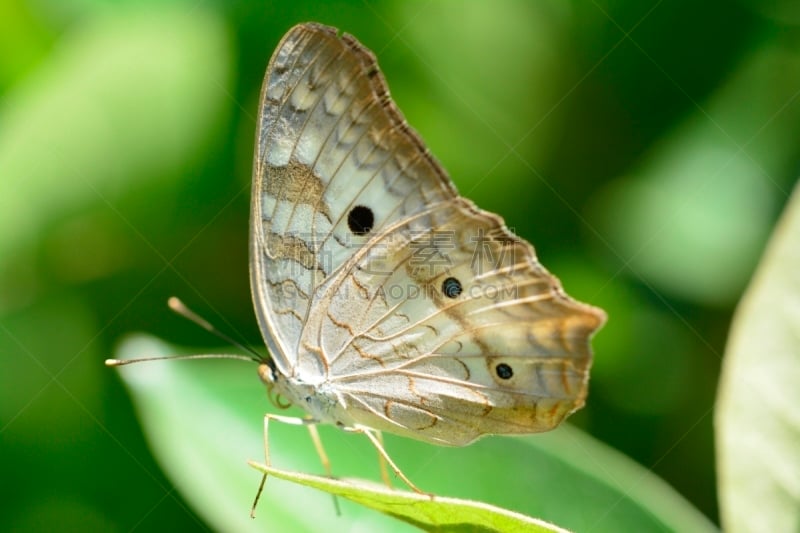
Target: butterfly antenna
pixel 180 308
pixel 123 362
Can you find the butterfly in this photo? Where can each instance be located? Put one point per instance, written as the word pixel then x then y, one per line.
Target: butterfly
pixel 388 302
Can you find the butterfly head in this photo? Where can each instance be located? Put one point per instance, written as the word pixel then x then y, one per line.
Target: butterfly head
pixel 266 372
pixel 269 377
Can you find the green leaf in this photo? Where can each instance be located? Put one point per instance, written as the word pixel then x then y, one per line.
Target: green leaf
pixel 757 421
pixel 431 513
pixel 203 422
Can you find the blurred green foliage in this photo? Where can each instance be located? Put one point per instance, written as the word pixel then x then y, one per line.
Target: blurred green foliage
pixel 645 148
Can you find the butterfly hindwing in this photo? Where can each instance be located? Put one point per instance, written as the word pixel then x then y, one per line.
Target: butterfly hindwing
pixel 452 331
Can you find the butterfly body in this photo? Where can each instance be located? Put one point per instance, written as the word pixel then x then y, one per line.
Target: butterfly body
pixel 387 301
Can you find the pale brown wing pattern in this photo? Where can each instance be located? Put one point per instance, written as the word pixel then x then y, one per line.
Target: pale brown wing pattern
pixel 446 328
pixel 335 163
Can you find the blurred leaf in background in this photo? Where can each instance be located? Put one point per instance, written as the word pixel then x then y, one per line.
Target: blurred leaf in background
pixel 758 429
pixel 645 148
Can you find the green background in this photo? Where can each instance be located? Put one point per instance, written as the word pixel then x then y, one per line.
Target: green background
pixel 644 148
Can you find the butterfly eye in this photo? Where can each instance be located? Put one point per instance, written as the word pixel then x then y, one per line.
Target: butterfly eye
pixel 451 287
pixel 360 220
pixel 504 371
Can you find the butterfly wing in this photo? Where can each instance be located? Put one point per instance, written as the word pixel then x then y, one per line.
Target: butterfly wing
pixel 446 328
pixel 330 148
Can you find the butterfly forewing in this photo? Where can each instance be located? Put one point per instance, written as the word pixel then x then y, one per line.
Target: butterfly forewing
pixel 335 164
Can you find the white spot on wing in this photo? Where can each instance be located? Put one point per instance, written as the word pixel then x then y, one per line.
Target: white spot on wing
pixel 308 149
pixel 301 224
pixel 267 204
pixel 280 151
pixel 281 143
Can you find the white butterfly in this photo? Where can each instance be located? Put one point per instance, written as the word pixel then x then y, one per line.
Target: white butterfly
pixel 387 301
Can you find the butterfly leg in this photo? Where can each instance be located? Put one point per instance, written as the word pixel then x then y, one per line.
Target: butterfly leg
pixel 323 457
pixel 382 462
pixel 382 451
pixel 310 422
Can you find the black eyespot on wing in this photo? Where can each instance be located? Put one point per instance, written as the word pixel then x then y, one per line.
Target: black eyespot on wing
pixel 452 288
pixel 504 371
pixel 360 220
